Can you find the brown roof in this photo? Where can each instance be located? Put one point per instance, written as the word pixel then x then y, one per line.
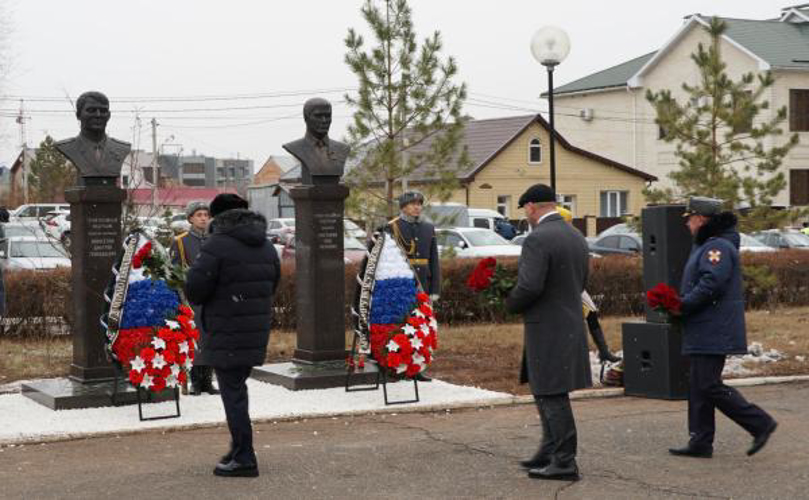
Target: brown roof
pixel 485 139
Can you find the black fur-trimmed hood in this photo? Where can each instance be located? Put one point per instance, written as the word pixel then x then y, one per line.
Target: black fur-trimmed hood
pixel 244 225
pixel 722 226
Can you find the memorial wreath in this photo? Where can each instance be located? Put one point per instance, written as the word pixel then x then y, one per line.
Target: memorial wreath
pixel 397 325
pixel 151 333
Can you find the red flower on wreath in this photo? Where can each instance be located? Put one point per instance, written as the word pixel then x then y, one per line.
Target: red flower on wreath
pixel 663 297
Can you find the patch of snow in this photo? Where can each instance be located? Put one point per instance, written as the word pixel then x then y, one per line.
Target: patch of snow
pixel 22 419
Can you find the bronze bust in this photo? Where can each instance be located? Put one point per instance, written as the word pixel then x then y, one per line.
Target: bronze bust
pixel 97 156
pixel 322 159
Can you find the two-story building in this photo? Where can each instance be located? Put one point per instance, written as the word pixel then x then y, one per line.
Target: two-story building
pixel 607 112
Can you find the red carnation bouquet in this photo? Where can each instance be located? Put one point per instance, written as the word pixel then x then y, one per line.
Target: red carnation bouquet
pixel 664 298
pixel 491 281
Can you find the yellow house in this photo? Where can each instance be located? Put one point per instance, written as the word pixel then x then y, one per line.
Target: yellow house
pixel 509 154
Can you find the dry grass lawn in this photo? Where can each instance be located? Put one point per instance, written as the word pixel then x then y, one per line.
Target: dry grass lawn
pixel 482 355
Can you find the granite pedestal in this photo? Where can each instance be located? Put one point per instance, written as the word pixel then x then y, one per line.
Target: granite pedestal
pixel 95 213
pixel 67 394
pixel 319 358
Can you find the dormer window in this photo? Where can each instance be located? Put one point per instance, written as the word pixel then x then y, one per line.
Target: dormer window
pixel 535 151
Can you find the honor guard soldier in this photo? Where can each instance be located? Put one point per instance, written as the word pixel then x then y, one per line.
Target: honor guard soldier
pixel 184 251
pixel 713 328
pixel 417 239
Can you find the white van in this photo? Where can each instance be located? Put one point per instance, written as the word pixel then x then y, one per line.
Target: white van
pixel 35 211
pixel 484 217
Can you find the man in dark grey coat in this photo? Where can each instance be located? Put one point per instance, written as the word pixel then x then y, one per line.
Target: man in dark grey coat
pixel 552 275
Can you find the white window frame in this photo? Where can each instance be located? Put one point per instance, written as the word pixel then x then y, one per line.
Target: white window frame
pixel 531 144
pixel 613 201
pixel 505 205
pixel 569 202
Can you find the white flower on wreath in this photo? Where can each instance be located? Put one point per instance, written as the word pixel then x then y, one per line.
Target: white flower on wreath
pixel 189 363
pixel 175 370
pixel 174 325
pixel 158 343
pixel 418 313
pixel 418 359
pixel 416 343
pixel 137 364
pixel 147 381
pixel 433 324
pixel 401 368
pixel 425 329
pixel 392 346
pixel 171 381
pixel 184 347
pixel 158 362
pixel 409 330
pixel 192 324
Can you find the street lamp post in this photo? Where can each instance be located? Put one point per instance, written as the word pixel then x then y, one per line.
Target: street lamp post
pixel 550 46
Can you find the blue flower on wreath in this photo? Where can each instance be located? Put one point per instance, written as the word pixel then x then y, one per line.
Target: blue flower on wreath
pixel 392 300
pixel 149 303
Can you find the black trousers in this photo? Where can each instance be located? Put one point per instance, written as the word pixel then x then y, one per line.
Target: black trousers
pixel 707 392
pixel 233 388
pixel 559 441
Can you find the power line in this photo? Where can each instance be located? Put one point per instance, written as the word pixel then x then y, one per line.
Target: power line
pixel 199 98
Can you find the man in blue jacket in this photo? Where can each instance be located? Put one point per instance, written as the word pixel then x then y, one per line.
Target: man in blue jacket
pixel 713 327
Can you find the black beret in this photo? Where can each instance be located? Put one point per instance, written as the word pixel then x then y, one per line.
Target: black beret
pixel 701 205
pixel 538 193
pixel 226 201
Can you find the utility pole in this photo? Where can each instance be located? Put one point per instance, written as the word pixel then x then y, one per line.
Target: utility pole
pixel 155 166
pixel 24 147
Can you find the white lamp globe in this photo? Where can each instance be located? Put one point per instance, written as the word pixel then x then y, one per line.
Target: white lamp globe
pixel 550 45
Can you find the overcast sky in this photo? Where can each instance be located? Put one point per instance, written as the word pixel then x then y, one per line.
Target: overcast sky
pixel 257 50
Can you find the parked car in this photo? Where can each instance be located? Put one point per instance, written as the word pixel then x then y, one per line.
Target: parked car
pixel 179 223
pixel 19 230
pixel 352 229
pixel 750 244
pixel 617 244
pixel 475 242
pixel 33 253
pixel 34 211
pixel 154 227
pixel 622 228
pixel 55 224
pixel 783 239
pixel 277 229
pixel 353 249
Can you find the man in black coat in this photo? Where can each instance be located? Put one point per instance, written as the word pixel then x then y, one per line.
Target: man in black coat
pixel 234 279
pixel 551 276
pixel 713 327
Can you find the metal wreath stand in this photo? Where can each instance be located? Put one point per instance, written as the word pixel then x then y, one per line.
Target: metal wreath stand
pixel 365 286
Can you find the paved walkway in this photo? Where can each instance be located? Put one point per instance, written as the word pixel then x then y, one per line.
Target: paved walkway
pixel 458 454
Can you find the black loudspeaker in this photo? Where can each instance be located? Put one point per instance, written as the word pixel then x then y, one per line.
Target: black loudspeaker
pixel 653 365
pixel 666 245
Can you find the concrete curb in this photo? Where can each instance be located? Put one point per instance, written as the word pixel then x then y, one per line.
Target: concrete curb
pixel 585 394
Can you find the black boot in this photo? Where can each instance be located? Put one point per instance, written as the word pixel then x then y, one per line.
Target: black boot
pixel 196 380
pixel 604 353
pixel 207 380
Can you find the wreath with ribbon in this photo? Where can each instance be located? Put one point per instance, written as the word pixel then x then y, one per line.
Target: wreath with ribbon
pixel 151 333
pixel 396 324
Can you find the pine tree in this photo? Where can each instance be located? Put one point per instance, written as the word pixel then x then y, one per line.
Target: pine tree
pixel 721 138
pixel 50 173
pixel 407 118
